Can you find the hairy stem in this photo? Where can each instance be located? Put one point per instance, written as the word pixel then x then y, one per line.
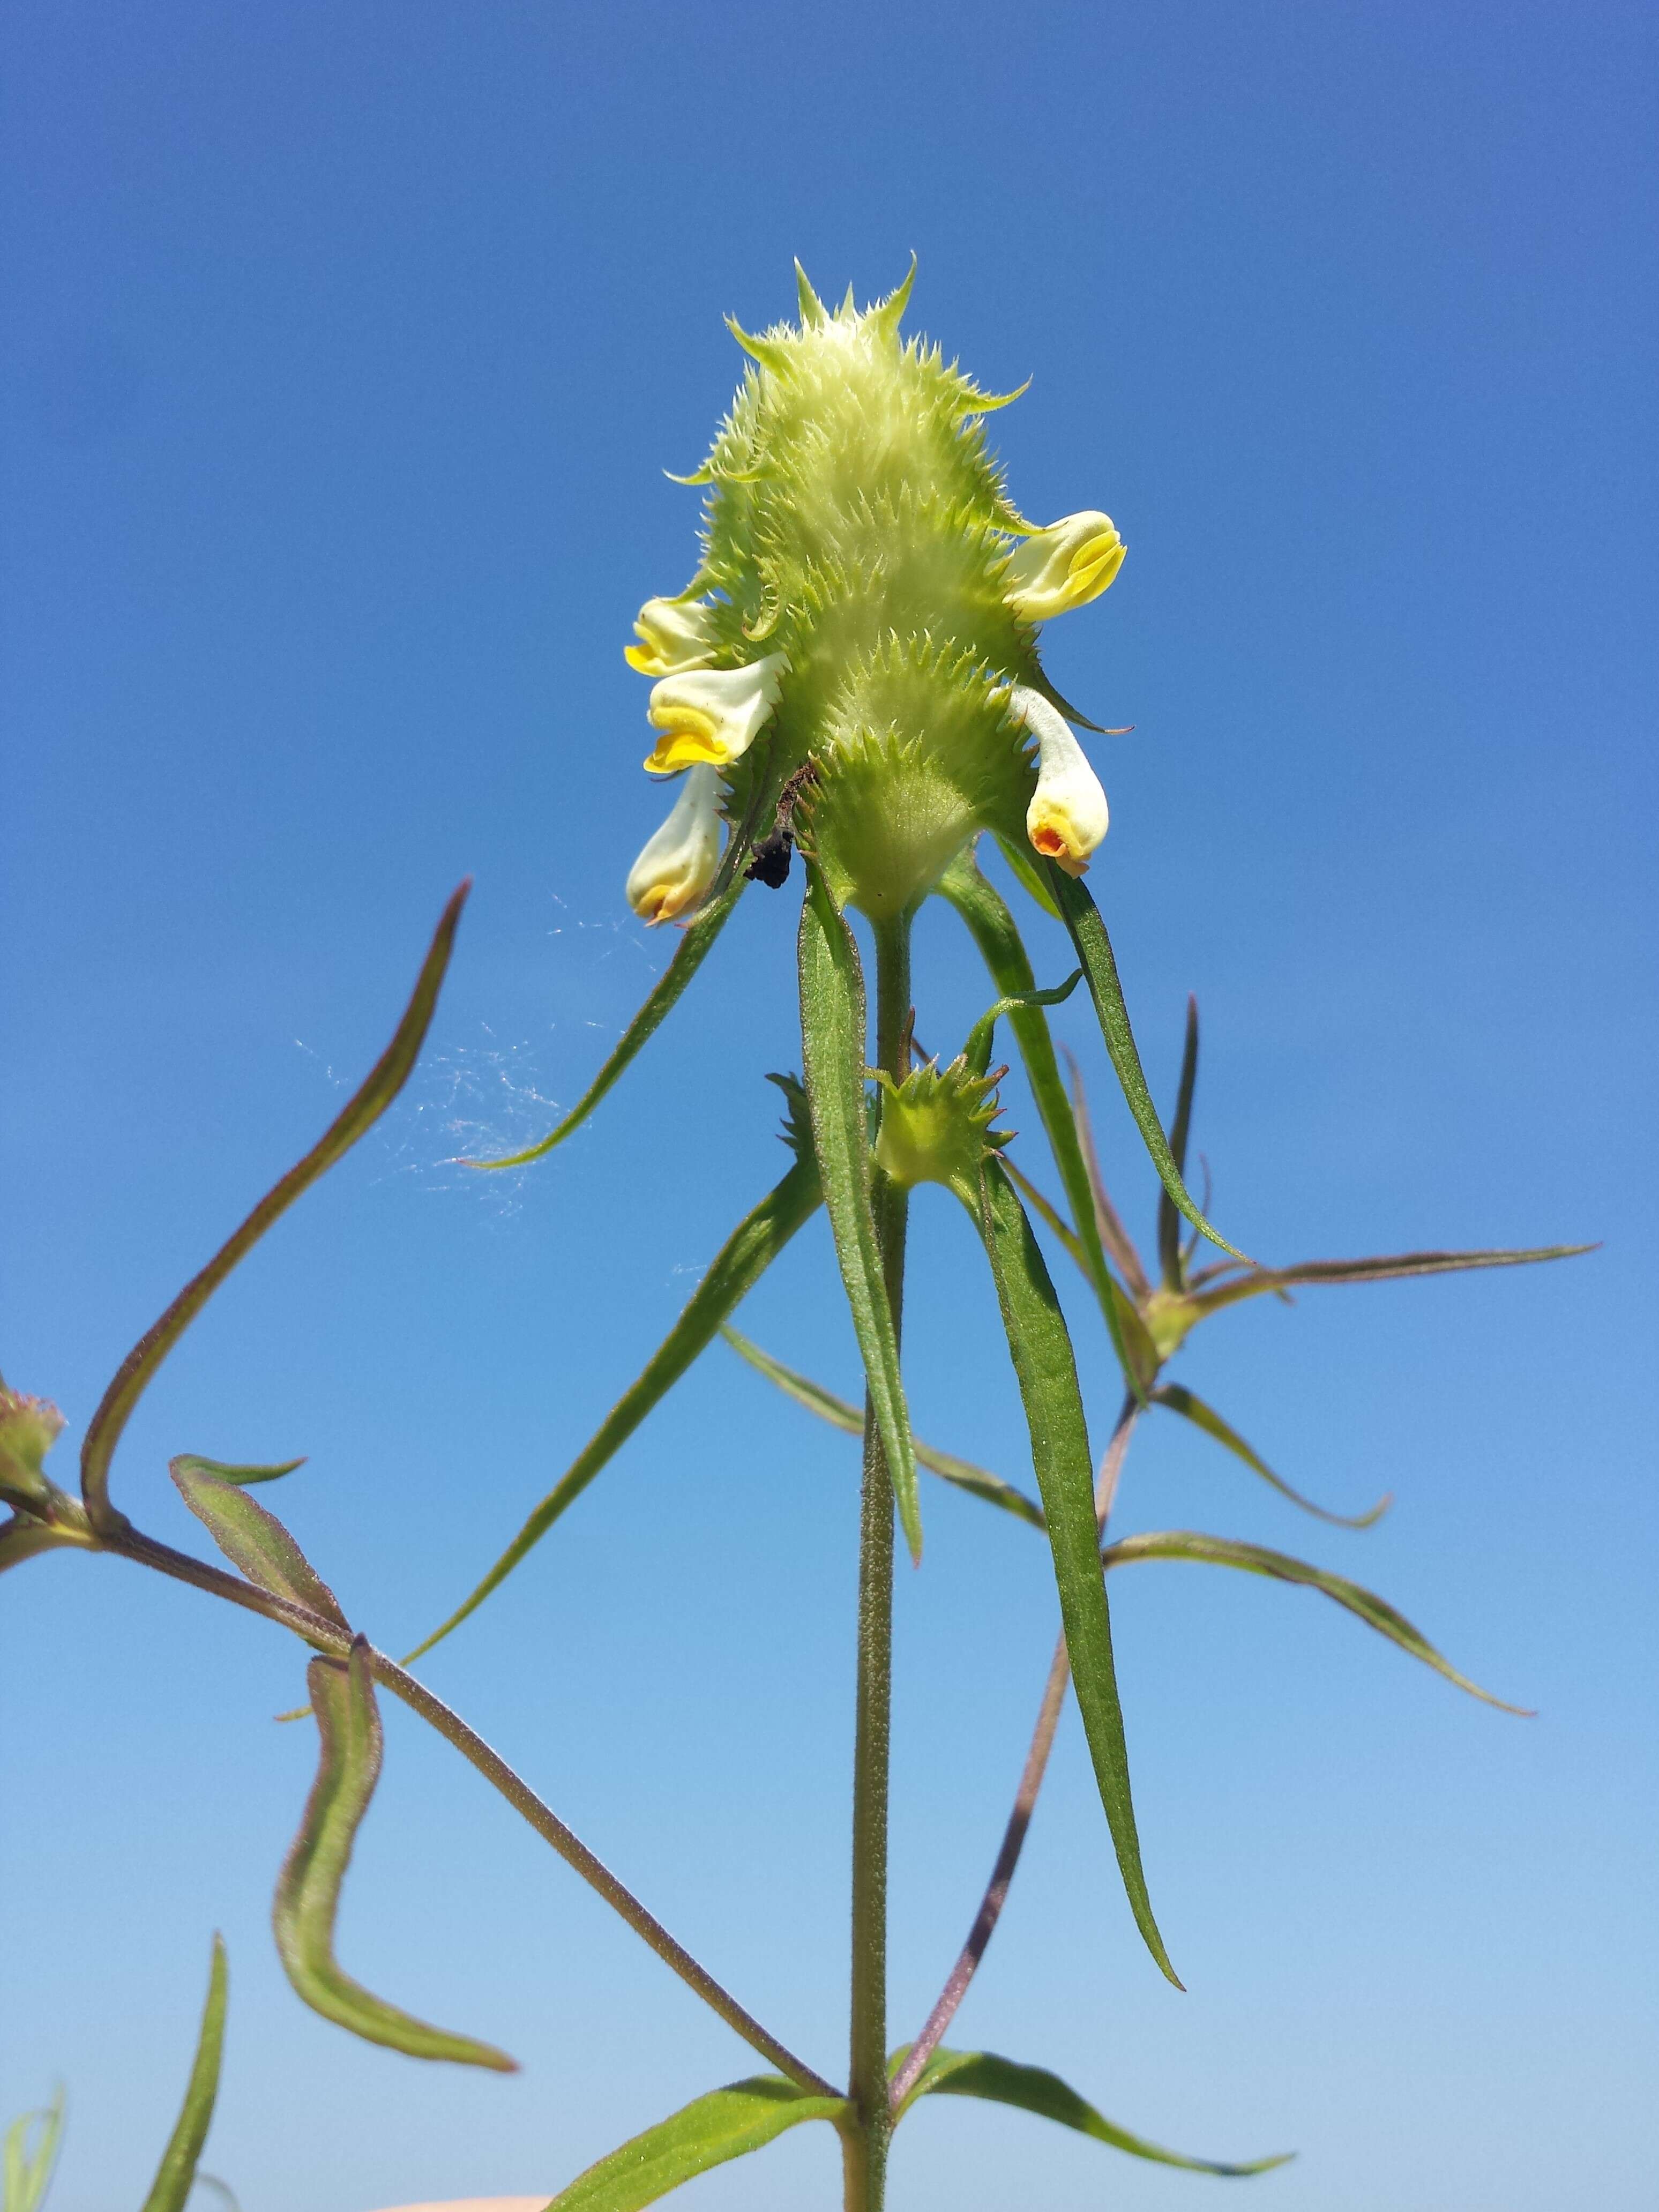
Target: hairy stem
pixel 328 1635
pixel 1019 1820
pixel 866 2132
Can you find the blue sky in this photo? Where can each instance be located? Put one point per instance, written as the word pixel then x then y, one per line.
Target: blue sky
pixel 347 347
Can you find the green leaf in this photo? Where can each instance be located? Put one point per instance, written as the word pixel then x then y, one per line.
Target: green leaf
pixel 1034 2089
pixel 1041 1351
pixel 308 1887
pixel 1192 1408
pixel 737 1268
pixel 1119 1244
pixel 1386 1267
pixel 176 2174
pixel 22 1536
pixel 841 1414
pixel 995 933
pixel 977 1050
pixel 833 1041
pixel 727 2124
pixel 384 1080
pixel 1256 1559
pixel 29 2168
pixel 1094 948
pixel 223 1472
pixel 254 1540
pixel 693 949
pixel 1168 1221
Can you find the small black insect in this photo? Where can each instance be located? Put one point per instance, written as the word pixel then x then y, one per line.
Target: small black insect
pixel 770 863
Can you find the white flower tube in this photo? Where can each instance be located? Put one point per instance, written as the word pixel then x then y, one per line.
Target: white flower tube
pixel 711 715
pixel 1065 565
pixel 1068 816
pixel 679 864
pixel 673 634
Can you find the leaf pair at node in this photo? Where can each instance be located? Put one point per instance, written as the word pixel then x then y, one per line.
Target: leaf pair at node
pixel 745 2116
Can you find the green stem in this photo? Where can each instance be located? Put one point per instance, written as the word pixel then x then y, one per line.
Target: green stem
pixel 329 1636
pixel 866 2133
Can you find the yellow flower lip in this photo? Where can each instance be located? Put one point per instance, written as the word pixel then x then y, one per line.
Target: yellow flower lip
pixel 679 863
pixel 1065 565
pixel 674 635
pixel 711 716
pixel 1068 815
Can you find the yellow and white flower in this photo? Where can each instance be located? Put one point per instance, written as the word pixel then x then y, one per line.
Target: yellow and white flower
pixel 673 634
pixel 711 715
pixel 1068 816
pixel 679 864
pixel 1065 565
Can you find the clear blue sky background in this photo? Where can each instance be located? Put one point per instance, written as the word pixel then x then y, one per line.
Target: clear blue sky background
pixel 345 347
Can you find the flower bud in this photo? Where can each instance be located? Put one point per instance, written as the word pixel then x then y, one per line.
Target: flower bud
pixel 673 634
pixel 711 715
pixel 28 1429
pixel 679 864
pixel 1068 816
pixel 1065 565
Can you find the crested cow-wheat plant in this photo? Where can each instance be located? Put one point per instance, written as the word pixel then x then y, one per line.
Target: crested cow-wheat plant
pixel 852 676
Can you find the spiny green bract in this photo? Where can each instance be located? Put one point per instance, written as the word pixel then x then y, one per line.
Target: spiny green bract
pixel 858 527
pixel 936 1126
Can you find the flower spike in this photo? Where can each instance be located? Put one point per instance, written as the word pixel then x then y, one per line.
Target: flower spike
pixel 674 635
pixel 679 864
pixel 1065 565
pixel 1068 816
pixel 711 715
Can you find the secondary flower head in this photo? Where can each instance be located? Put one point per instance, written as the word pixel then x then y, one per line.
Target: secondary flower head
pixel 1065 565
pixel 711 715
pixel 28 1429
pixel 673 634
pixel 679 864
pixel 1068 816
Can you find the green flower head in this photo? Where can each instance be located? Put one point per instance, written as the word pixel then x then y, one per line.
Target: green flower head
pixel 859 641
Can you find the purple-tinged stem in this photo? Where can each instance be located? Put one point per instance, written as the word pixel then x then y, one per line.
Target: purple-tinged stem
pixel 1019 1820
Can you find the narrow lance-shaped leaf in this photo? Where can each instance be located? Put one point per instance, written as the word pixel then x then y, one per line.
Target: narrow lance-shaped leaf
pixel 1386 1267
pixel 833 1042
pixel 1120 1245
pixel 693 949
pixel 384 1080
pixel 225 1471
pixel 1094 948
pixel 175 2177
pixel 1192 1408
pixel 996 933
pixel 308 1889
pixel 255 1541
pixel 977 1050
pixel 727 2124
pixel 737 1268
pixel 1168 1221
pixel 841 1414
pixel 1041 1351
pixel 1255 1560
pixel 1034 2089
pixel 28 2165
